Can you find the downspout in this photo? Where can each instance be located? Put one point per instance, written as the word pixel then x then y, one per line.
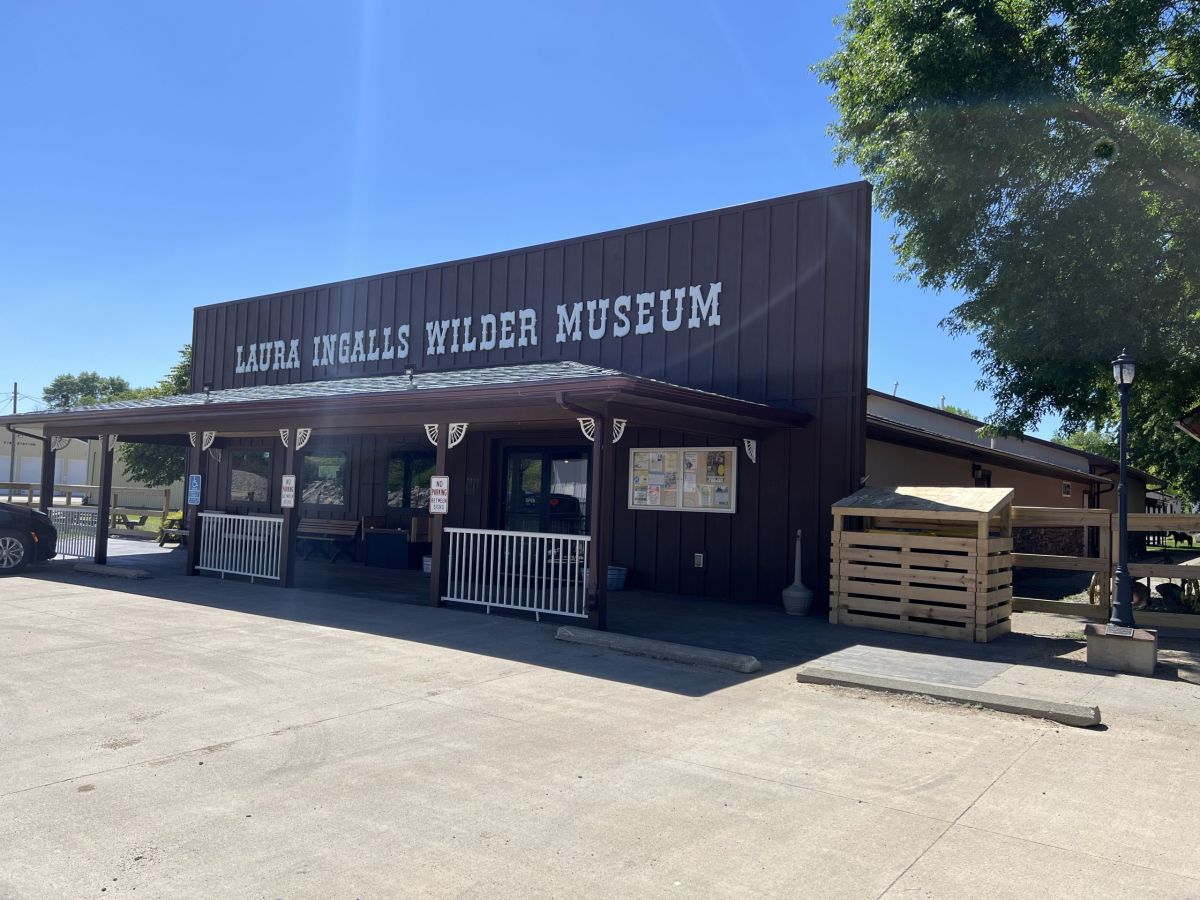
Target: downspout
pixel 560 397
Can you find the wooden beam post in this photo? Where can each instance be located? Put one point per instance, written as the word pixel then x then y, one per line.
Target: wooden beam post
pixel 600 523
pixel 437 574
pixel 287 539
pixel 191 514
pixel 46 491
pixel 104 513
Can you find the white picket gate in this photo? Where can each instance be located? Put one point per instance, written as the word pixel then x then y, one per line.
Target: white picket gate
pixel 240 545
pixel 539 573
pixel 76 529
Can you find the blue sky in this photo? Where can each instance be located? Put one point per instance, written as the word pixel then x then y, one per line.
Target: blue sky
pixel 159 156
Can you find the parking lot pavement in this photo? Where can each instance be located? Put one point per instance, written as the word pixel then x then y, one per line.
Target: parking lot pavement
pixel 188 737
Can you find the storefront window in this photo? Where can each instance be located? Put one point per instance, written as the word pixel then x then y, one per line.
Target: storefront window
pixel 324 479
pixel 250 476
pixel 409 472
pixel 545 490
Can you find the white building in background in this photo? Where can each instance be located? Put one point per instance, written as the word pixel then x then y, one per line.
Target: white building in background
pixel 71 463
pixel 75 464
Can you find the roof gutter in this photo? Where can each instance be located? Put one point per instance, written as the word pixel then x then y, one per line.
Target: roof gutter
pixel 36 437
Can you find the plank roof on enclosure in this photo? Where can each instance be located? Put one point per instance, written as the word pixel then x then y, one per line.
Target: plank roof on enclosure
pixel 952 502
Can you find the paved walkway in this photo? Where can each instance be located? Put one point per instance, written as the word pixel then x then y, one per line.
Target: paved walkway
pixel 186 737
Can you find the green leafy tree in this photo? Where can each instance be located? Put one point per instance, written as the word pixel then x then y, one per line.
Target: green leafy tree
pixel 1043 158
pixel 160 465
pixel 1100 443
pixel 84 389
pixel 958 411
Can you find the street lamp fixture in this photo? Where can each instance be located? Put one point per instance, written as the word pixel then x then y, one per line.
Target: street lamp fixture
pixel 1122 608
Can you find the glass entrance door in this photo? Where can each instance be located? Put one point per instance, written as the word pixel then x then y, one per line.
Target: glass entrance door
pixel 545 489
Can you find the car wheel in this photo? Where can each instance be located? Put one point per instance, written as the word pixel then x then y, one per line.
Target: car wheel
pixel 16 550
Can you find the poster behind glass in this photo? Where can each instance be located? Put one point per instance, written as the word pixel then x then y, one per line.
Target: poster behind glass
pixel 699 479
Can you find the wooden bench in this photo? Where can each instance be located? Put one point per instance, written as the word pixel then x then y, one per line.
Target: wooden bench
pixel 337 536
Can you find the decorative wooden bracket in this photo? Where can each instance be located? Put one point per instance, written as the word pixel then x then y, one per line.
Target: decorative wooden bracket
pixel 751 446
pixel 58 442
pixel 588 426
pixel 458 431
pixel 302 436
pixel 110 442
pixel 206 439
pixel 285 435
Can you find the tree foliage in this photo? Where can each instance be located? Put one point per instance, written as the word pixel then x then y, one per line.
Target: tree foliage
pixel 1043 158
pixel 84 389
pixel 154 465
pixel 958 411
pixel 160 465
pixel 1095 441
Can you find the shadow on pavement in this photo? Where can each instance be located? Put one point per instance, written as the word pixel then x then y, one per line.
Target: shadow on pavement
pixel 393 604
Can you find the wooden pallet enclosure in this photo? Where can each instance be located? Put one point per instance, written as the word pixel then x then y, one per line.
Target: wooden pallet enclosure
pixel 932 561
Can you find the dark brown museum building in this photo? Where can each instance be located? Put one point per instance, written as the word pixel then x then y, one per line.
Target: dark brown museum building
pixel 673 399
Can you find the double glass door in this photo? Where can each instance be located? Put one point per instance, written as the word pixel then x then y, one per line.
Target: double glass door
pixel 546 489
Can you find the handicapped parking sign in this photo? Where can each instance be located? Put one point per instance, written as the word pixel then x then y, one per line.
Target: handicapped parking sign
pixel 193 497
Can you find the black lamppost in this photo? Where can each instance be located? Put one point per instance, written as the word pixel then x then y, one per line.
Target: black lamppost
pixel 1122 608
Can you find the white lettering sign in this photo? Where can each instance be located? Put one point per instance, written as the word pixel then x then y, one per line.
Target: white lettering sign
pixel 596 319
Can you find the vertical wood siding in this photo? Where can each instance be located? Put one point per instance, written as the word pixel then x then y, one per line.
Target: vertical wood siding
pixel 793 305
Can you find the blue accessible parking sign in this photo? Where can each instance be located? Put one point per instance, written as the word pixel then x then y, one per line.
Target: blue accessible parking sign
pixel 193 497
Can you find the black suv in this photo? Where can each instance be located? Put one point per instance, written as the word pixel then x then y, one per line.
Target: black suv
pixel 26 535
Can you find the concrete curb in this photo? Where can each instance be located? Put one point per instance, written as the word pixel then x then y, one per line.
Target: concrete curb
pixel 115 571
pixel 1065 713
pixel 697 656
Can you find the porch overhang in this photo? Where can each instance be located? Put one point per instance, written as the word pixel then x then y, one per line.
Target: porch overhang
pixel 534 394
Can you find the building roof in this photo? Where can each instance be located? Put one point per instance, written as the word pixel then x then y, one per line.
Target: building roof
pixel 1094 460
pixel 493 394
pixel 879 428
pixel 1189 423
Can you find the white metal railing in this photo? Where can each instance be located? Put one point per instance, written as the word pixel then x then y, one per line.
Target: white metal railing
pixel 541 573
pixel 240 545
pixel 76 530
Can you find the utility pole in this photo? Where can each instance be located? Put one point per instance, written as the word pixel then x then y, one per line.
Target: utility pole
pixel 12 450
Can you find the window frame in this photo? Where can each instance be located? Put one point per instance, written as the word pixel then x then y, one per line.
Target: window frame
pixel 268 499
pixel 303 462
pixel 406 488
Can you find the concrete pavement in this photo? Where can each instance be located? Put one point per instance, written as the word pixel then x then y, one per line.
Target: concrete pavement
pixel 184 737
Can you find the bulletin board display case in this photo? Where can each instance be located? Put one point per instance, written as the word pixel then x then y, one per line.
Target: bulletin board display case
pixel 683 479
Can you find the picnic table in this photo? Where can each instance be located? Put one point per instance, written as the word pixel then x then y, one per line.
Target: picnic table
pixel 172 530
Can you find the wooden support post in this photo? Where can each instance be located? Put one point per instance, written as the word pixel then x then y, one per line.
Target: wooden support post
pixel 104 513
pixel 196 459
pixel 287 537
pixel 835 566
pixel 166 504
pixel 600 523
pixel 437 574
pixel 982 561
pixel 1106 580
pixel 46 491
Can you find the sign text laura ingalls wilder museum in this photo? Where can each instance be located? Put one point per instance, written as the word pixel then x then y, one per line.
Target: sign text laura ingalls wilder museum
pixel 638 314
